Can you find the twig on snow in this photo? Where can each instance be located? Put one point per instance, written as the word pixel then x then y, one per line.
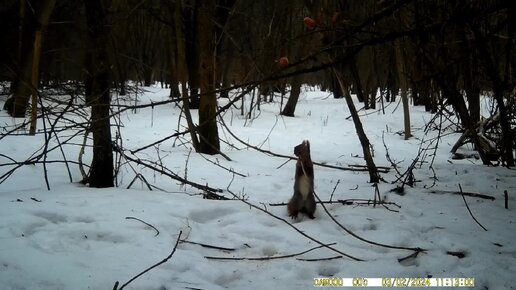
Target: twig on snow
pixel 268 258
pixel 472 194
pixel 133 218
pixel 208 246
pixel 470 213
pixel 359 237
pixel 151 267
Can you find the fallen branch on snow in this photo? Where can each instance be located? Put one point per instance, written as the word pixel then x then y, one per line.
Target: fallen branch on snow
pixel 350 201
pixel 470 213
pixel 115 287
pixel 147 224
pixel 361 238
pixel 268 258
pixel 472 194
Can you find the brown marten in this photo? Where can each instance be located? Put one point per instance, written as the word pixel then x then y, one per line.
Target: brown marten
pixel 303 199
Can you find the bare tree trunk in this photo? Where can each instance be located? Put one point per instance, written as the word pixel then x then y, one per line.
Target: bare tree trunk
pixel 182 69
pixel 374 176
pixel 295 91
pixel 31 37
pixel 102 164
pixel 498 86
pixel 190 21
pixel 208 132
pixel 358 85
pixel 34 83
pixel 44 18
pixel 402 76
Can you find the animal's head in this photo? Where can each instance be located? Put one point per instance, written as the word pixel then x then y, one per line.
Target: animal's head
pixel 302 149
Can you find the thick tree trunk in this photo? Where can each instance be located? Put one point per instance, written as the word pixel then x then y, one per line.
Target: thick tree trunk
pixel 295 91
pixel 208 132
pixel 457 100
pixel 101 174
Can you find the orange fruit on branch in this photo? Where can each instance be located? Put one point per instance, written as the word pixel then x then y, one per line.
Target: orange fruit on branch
pixel 283 61
pixel 309 22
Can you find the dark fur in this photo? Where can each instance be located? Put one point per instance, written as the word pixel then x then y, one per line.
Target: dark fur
pixel 298 203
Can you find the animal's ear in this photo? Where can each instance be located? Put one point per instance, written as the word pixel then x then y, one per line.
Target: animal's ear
pixel 307 144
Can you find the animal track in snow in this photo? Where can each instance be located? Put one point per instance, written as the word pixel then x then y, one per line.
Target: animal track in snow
pixel 210 215
pixel 51 217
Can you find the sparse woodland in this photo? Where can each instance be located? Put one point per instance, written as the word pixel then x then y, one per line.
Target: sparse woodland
pixel 70 69
pixel 431 53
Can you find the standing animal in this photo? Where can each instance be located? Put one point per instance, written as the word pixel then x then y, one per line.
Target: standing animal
pixel 303 199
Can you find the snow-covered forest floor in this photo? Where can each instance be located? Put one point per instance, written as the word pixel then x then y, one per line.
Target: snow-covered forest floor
pixel 76 237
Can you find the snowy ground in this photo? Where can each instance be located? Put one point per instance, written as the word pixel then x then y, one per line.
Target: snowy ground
pixel 75 237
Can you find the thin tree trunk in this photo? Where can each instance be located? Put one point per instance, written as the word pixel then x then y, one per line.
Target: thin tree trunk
pixel 31 36
pixel 44 18
pixel 358 84
pixel 374 176
pixel 190 20
pixel 402 76
pixel 183 75
pixel 34 81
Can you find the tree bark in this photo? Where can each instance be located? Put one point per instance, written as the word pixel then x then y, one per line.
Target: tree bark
pixel 101 174
pixel 295 91
pixel 208 132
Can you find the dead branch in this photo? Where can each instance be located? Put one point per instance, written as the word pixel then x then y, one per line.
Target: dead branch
pixel 221 166
pixel 151 267
pixel 142 178
pixel 147 224
pixel 353 168
pixel 411 256
pixel 350 201
pixel 360 238
pixel 334 188
pixel 268 258
pixel 294 227
pixel 208 246
pixel 164 172
pixel 319 259
pixel 36 158
pixel 472 194
pixel 206 194
pixel 469 210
